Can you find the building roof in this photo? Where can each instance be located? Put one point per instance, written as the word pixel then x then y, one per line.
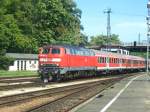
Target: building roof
pixel 22 56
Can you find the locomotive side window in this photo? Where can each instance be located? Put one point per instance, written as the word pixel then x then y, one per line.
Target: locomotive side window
pixel 76 52
pixel 67 51
pixel 86 53
pixel 71 51
pixel 55 51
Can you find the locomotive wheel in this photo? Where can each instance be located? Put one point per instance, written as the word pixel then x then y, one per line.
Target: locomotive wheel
pixel 59 77
pixel 45 78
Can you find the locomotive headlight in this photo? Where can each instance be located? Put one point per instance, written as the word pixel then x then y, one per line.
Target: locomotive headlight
pixel 56 60
pixel 41 59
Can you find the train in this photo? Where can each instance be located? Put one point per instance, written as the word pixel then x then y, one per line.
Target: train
pixel 58 62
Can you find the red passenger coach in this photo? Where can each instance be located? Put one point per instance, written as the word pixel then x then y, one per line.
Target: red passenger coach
pixel 57 62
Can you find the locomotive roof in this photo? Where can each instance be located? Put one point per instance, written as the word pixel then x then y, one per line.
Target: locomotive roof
pixel 65 46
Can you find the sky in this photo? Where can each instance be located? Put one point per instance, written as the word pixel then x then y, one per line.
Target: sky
pixel 128 18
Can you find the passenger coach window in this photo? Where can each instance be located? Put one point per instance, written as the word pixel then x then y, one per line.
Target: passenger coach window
pixel 55 51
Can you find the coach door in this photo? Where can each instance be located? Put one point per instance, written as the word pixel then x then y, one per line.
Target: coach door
pixel 107 62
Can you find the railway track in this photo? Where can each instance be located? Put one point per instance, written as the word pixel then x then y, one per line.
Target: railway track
pixel 38 83
pixel 18 77
pixel 70 101
pixel 60 99
pixel 20 86
pixel 11 84
pixel 29 82
pixel 12 80
pixel 19 82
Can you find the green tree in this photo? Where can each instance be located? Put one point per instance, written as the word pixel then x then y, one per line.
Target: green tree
pixel 56 21
pixel 104 40
pixel 115 39
pixel 28 24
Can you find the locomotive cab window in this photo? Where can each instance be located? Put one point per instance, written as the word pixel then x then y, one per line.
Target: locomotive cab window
pixel 55 51
pixel 45 51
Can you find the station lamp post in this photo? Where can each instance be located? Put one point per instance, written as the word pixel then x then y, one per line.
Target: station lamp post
pixel 148 35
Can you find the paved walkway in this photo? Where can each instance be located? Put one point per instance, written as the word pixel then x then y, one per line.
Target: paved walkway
pixel 130 95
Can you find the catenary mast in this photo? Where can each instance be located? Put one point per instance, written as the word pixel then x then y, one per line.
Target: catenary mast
pixel 148 35
pixel 108 12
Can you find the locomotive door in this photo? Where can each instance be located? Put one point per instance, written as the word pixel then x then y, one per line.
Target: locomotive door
pixel 67 57
pixel 71 58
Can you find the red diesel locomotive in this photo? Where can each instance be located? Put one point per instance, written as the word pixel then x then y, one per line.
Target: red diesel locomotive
pixel 57 62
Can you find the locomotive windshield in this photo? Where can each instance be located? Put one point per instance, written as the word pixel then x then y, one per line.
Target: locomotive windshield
pixel 55 51
pixel 45 51
pixel 51 51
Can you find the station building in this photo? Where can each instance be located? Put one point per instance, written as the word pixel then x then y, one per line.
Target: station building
pixel 26 62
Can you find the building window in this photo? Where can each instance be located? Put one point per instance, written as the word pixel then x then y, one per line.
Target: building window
pixel 21 65
pixel 35 62
pixel 25 64
pixel 17 65
pixel 30 61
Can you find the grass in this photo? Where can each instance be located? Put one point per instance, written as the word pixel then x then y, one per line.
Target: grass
pixel 17 73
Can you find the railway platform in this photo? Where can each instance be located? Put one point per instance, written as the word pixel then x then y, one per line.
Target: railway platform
pixel 129 95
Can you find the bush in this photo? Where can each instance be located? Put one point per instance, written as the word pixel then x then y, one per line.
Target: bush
pixel 5 62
